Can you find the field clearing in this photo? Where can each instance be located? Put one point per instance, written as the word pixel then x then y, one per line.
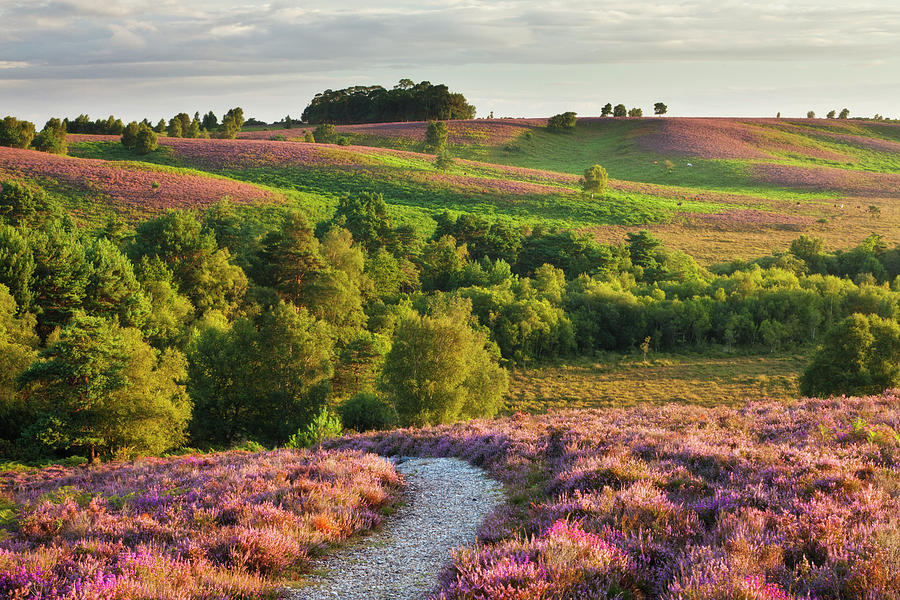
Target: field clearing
pixel 623 381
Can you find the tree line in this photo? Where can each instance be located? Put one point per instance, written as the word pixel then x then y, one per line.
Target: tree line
pixel 209 329
pixel 406 101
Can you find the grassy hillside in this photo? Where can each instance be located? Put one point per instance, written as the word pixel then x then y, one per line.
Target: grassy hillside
pixel 715 188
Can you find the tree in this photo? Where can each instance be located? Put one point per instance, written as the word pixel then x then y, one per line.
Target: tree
pixel 161 126
pixel 101 389
pixel 845 113
pixel 831 114
pixel 636 112
pixel 365 216
pixel 436 137
pixel 440 369
pixel 201 270
pixel 145 141
pixel 324 133
pixel 811 114
pixel 859 355
pixel 263 379
pixel 61 275
pixel 232 123
pixel 112 290
pixel 52 138
pixel 15 133
pixel 129 136
pixel 290 257
pixel 660 109
pixel 193 130
pixel 174 130
pixel 619 110
pixel 443 161
pixel 606 110
pixel 18 349
pixel 210 122
pixel 562 122
pixel 594 180
pixel 17 266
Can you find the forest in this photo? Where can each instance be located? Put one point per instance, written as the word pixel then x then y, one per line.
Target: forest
pixel 214 328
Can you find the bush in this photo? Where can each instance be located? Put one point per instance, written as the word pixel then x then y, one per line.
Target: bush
pixel 324 133
pixel 366 411
pixel 324 426
pixel 146 140
pixel 15 133
pixel 595 180
pixel 562 122
pixel 129 136
pixel 343 141
pixel 52 138
pixel 443 161
pixel 436 136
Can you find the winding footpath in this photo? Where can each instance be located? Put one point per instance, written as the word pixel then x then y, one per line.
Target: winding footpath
pixel 444 502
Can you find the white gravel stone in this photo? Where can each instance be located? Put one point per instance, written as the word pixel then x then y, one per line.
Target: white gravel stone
pixel 444 502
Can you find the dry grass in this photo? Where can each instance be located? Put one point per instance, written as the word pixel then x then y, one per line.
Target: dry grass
pixel 619 381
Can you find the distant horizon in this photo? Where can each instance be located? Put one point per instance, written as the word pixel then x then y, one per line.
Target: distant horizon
pixel 155 58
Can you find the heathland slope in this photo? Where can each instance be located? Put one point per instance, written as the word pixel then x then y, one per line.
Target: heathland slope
pixel 716 188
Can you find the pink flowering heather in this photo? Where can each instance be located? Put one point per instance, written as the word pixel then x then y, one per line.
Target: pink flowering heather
pixel 727 138
pixel 227 525
pixel 142 188
pixel 771 500
pixel 828 179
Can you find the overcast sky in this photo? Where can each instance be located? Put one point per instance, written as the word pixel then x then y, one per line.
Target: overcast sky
pixel 154 58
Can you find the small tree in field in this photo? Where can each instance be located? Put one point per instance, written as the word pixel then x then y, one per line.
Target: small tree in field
pixel 831 114
pixel 660 109
pixel 620 110
pixel 436 137
pixel 129 136
pixel 845 113
pixel 595 180
pixel 606 110
pixel 324 133
pixel 52 138
pixel 146 140
pixel 562 122
pixel 636 112
pixel 811 114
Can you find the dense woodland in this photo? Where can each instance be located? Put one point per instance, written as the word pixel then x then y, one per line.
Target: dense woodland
pixel 234 324
pixel 407 101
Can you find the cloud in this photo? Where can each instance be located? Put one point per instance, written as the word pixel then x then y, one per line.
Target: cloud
pixel 164 40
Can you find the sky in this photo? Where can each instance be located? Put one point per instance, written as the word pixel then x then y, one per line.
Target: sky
pixel 517 58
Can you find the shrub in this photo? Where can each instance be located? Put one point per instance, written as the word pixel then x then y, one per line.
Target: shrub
pixel 562 122
pixel 595 180
pixel 443 161
pixel 52 138
pixel 366 411
pixel 619 110
pixel 146 140
pixel 636 112
pixel 129 136
pixel 343 141
pixel 308 137
pixel 324 133
pixel 324 426
pixel 436 136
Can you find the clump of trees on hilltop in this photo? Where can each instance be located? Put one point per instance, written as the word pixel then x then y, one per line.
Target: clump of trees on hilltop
pixel 407 101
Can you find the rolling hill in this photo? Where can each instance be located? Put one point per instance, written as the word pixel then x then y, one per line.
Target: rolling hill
pixel 716 188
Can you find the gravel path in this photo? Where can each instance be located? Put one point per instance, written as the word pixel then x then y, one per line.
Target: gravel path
pixel 444 502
